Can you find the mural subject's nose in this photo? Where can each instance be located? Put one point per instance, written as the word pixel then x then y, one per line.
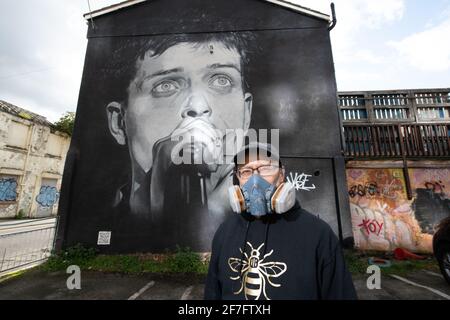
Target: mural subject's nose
pixel 196 106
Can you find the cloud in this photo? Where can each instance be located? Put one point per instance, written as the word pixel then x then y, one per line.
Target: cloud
pixel 428 50
pixel 43 44
pixel 360 63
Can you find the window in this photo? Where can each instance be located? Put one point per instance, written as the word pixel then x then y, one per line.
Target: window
pixel 390 100
pixel 54 145
pixel 352 101
pixel 436 113
pixel 47 198
pixel 8 188
pixel 391 113
pixel 18 135
pixel 354 114
pixel 353 107
pixel 431 98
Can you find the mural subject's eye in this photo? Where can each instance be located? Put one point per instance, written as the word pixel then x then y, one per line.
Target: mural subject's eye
pixel 221 82
pixel 165 88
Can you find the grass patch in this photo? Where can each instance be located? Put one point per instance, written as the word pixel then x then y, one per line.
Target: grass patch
pixel 358 262
pixel 183 260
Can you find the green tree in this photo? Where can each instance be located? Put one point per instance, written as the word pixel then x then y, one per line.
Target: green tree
pixel 66 122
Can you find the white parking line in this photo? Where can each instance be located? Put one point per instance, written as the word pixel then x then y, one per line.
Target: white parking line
pixel 439 293
pixel 145 288
pixel 433 273
pixel 186 293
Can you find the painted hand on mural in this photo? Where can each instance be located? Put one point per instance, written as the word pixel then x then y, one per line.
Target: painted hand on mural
pixel 199 142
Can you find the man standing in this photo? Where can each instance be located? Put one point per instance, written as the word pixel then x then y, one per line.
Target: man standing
pixel 273 249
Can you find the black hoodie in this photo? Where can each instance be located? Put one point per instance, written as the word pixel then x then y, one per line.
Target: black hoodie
pixel 294 256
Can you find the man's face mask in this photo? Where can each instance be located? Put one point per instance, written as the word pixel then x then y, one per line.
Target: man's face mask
pixel 259 198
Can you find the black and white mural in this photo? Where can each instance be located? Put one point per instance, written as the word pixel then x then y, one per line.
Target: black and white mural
pixel 168 97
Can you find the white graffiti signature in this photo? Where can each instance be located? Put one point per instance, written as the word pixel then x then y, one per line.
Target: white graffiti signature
pixel 299 181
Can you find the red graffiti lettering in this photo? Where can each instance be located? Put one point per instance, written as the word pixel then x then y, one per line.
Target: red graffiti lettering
pixel 371 226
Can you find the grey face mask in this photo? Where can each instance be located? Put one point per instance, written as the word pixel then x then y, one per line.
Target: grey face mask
pixel 257 194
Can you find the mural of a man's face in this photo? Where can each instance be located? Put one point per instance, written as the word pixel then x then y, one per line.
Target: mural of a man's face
pixel 188 81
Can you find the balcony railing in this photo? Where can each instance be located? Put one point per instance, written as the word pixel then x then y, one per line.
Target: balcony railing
pixel 397 106
pixel 397 141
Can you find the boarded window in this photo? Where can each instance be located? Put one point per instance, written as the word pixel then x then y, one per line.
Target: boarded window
pixel 17 135
pixel 47 198
pixel 8 188
pixel 54 145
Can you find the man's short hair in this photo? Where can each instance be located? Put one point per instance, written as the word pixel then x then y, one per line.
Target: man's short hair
pixel 127 52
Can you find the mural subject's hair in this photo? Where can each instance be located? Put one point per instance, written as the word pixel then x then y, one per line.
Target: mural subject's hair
pixel 127 54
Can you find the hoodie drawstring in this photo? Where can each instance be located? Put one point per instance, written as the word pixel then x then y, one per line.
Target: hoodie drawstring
pixel 243 248
pixel 266 239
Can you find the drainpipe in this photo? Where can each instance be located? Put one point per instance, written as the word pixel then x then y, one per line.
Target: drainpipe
pixel 333 15
pixel 27 157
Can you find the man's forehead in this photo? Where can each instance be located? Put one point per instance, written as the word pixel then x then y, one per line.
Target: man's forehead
pixel 188 56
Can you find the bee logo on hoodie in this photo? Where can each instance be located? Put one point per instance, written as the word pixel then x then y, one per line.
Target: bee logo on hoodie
pixel 254 273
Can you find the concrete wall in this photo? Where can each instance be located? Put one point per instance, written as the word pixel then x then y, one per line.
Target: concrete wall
pixel 383 218
pixel 30 167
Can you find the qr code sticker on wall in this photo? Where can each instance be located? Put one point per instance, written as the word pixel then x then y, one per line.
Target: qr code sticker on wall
pixel 104 238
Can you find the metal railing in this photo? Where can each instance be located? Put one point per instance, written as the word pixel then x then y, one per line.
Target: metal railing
pixel 23 244
pixel 397 141
pixel 395 106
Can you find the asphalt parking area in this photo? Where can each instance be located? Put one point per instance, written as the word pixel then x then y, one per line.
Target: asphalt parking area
pixel 38 285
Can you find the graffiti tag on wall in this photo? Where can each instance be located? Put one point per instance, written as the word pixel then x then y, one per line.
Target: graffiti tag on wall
pixel 431 199
pixel 372 189
pixel 382 216
pixel 371 226
pixel 300 181
pixel 47 196
pixel 8 189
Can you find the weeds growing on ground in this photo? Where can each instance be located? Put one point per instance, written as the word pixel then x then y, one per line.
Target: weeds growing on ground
pixel 183 260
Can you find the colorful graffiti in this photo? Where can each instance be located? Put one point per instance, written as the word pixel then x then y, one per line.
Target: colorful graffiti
pixel 47 196
pixel 8 189
pixel 431 196
pixel 382 216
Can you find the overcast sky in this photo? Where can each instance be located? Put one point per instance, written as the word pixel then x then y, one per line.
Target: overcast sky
pixel 377 44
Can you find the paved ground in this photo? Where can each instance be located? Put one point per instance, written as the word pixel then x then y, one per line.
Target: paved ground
pixel 95 285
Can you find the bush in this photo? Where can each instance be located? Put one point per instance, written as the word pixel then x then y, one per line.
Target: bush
pixel 76 255
pixel 20 214
pixel 66 123
pixel 185 261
